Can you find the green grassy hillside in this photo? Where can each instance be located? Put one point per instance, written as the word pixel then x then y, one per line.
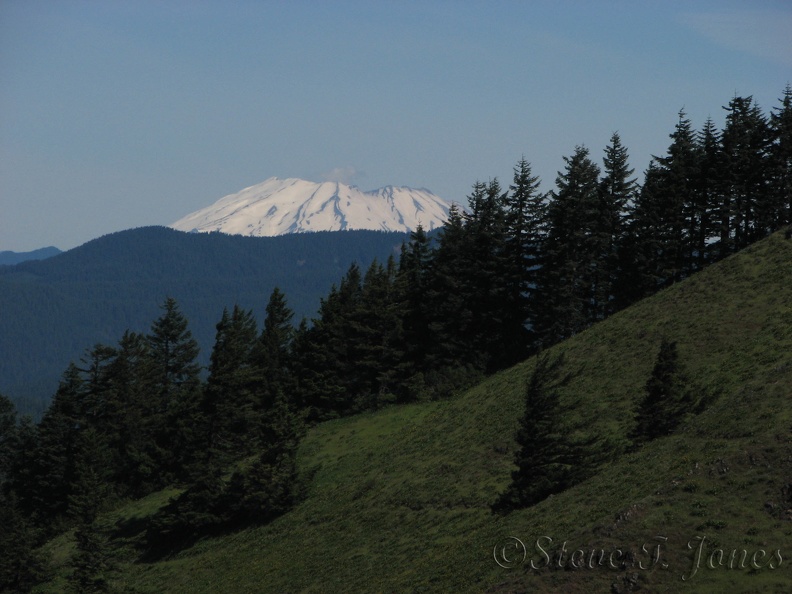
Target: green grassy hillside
pixel 399 501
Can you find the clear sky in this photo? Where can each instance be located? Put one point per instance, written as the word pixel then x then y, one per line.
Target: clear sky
pixel 117 114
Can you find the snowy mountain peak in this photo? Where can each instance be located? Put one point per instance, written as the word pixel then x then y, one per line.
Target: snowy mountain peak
pixel 279 206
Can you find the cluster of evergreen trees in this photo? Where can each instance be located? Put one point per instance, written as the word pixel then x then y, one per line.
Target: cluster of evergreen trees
pixel 136 417
pixel 518 271
pixel 522 270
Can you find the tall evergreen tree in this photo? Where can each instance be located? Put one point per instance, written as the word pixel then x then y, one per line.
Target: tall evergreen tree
pixel 133 415
pixel 781 155
pixel 524 234
pixel 91 562
pixel 487 275
pixel 411 291
pixel 270 486
pixel 22 564
pixel 273 355
pixel 230 412
pixel 450 306
pixel 709 188
pixel 571 255
pixel 53 463
pixel 326 367
pixel 547 460
pixel 667 397
pixel 377 340
pixel 618 189
pixel 642 269
pixel 677 202
pixel 173 352
pixel 751 207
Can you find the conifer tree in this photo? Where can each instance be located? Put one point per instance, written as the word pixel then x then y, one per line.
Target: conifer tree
pixel 91 562
pixel 96 402
pixel 133 414
pixel 274 350
pixel 617 189
pixel 270 487
pixel 781 155
pixel 667 397
pixel 547 460
pixel 448 292
pixel 677 204
pixel 90 481
pixel 375 331
pixel 708 191
pixel 752 209
pixel 173 353
pixel 325 363
pixel 525 230
pixel 572 252
pixel 53 463
pixel 22 563
pixel 89 488
pixel 642 272
pixel 230 411
pixel 411 292
pixel 21 467
pixel 487 275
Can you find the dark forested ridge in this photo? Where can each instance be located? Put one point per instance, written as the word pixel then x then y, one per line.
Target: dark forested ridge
pixel 52 310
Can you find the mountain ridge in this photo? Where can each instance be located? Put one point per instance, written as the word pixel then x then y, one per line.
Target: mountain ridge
pixel 54 309
pixel 281 206
pixel 11 258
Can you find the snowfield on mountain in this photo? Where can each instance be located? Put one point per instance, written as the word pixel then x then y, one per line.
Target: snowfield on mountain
pixel 280 206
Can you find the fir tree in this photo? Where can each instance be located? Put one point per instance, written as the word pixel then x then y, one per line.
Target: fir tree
pixel 667 397
pixel 230 412
pixel 572 253
pixel 326 366
pixel 375 329
pixel 618 189
pixel 133 415
pixel 525 222
pixel 273 355
pixel 487 276
pixel 676 202
pixel 22 563
pixel 92 561
pixel 173 352
pixel 751 207
pixel 53 463
pixel 270 486
pixel 413 310
pixel 548 461
pixel 709 193
pixel 90 484
pixel 448 299
pixel 781 155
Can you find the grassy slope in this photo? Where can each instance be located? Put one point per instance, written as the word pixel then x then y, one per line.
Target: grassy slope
pixel 399 501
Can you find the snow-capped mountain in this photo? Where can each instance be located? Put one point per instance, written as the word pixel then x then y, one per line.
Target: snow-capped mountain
pixel 279 206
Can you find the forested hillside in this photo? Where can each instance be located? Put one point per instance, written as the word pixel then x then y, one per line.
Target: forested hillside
pixel 403 498
pixel 54 309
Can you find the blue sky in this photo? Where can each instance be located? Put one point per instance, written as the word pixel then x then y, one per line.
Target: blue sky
pixel 118 114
